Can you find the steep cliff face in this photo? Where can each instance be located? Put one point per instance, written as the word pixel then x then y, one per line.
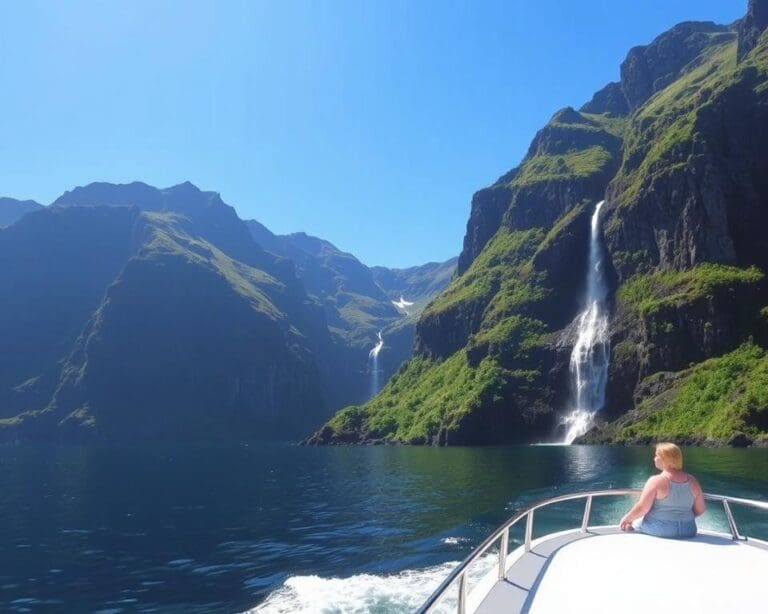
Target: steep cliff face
pixel 692 186
pixel 566 170
pixel 651 68
pixel 691 191
pixel 678 150
pixel 490 366
pixel 667 321
pixel 57 266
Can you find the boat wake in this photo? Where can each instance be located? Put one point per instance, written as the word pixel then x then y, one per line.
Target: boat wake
pixel 401 592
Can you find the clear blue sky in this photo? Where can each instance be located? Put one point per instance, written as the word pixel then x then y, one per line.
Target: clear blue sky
pixel 369 124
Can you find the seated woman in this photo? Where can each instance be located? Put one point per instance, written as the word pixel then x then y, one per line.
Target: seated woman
pixel 670 501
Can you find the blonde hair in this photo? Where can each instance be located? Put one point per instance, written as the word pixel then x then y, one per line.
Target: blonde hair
pixel 671 455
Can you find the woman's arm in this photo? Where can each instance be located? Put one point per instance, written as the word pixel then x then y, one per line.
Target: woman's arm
pixel 643 505
pixel 699 505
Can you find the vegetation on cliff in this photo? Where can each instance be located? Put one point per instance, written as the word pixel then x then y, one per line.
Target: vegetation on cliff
pixel 678 150
pixel 421 400
pixel 649 293
pixel 721 400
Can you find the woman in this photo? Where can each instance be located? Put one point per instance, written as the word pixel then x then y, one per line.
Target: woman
pixel 670 501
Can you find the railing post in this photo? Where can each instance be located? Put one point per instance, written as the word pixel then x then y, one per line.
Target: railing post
pixel 731 521
pixel 528 531
pixel 503 554
pixel 461 606
pixel 587 512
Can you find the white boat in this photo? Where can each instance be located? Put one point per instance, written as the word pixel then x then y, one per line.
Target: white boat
pixel 603 569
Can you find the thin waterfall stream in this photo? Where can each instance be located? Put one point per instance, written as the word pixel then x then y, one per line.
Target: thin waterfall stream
pixel 591 352
pixel 373 366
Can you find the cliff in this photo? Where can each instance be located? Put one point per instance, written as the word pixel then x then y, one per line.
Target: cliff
pixel 677 150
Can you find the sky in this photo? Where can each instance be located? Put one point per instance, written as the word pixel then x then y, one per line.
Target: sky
pixel 367 123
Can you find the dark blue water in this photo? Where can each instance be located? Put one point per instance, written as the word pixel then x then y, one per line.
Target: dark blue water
pixel 224 528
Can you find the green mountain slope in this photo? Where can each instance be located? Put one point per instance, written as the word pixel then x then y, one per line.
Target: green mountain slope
pixel 163 323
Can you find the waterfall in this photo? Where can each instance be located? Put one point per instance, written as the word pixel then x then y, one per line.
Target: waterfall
pixel 373 365
pixel 590 355
pixel 402 304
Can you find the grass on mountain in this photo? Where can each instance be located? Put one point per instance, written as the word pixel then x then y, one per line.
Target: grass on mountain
pixel 612 124
pixel 423 397
pixel 512 337
pixel 712 400
pixel 579 146
pixel 576 164
pixel 649 293
pixel 168 237
pixel 502 260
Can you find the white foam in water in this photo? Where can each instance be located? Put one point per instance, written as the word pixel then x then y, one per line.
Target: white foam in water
pixel 402 592
pixel 454 541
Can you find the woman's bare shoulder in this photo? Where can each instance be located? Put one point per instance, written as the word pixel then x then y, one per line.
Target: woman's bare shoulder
pixel 655 480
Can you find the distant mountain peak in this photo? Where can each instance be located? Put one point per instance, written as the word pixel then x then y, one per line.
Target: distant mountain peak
pixel 12 209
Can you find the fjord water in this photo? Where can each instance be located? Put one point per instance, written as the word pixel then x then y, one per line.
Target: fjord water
pixel 336 529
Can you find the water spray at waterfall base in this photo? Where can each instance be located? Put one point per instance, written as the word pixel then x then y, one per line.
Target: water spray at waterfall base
pixel 590 354
pixel 373 366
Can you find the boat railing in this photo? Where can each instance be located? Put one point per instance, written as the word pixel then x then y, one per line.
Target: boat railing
pixel 460 574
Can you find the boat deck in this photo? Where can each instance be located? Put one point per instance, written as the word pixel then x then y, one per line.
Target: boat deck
pixel 607 570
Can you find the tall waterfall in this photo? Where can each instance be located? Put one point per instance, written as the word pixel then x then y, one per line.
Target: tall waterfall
pixel 373 365
pixel 590 355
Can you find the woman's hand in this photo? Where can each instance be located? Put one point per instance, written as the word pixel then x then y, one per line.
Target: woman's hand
pixel 643 505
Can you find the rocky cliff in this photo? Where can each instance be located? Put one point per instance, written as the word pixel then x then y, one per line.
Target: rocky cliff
pixel 677 150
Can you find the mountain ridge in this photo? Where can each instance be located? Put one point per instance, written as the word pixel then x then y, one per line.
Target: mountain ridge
pixel 166 320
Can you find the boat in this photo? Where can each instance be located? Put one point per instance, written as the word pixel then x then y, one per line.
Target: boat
pixel 604 569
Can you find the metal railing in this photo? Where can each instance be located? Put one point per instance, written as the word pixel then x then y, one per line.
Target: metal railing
pixel 502 533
